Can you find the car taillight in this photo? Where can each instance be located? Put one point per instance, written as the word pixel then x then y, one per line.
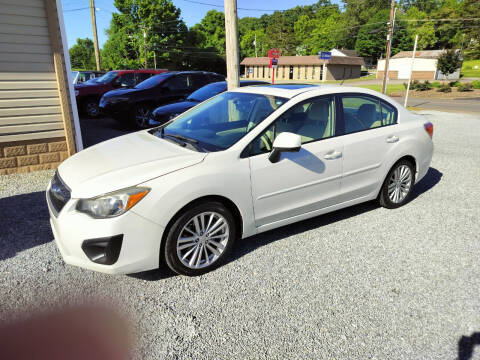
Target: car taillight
pixel 429 128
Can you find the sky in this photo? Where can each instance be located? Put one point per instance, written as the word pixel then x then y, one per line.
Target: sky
pixel 77 13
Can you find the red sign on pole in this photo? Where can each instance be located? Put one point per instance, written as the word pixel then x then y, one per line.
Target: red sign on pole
pixel 273 53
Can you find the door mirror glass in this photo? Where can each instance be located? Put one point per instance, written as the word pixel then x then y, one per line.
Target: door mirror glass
pixel 285 142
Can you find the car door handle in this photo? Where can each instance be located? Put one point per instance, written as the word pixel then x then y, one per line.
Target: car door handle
pixel 332 155
pixel 392 139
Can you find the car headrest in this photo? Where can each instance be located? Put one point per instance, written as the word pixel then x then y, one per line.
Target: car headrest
pixel 319 111
pixel 367 113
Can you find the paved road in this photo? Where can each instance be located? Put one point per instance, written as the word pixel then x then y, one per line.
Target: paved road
pixel 450 105
pixel 360 283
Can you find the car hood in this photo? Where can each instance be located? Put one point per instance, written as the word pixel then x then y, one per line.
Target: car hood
pixel 175 107
pixel 122 162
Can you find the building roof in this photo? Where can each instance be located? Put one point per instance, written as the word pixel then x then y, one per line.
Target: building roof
pixel 424 54
pixel 351 53
pixel 303 60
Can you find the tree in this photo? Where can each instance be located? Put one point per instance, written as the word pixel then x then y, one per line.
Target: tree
pixel 371 39
pixel 212 30
pixel 165 34
pixel 82 55
pixel 449 62
pixel 425 30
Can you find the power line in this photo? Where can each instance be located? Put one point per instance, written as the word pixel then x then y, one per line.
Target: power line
pixel 84 8
pixel 239 8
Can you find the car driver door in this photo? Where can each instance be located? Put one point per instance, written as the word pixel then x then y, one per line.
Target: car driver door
pixel 304 181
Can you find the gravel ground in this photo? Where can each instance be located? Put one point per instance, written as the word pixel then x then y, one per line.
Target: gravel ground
pixel 360 283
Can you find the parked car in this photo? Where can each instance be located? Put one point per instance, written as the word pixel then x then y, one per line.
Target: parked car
pixel 80 77
pixel 88 94
pixel 166 112
pixel 135 105
pixel 241 163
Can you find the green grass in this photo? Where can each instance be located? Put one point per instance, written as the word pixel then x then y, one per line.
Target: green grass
pixel 468 70
pixel 390 88
pixel 369 77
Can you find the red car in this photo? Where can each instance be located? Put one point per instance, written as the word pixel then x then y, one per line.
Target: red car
pixel 88 94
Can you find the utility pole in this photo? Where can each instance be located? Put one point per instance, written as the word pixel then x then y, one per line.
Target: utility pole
pixel 411 70
pixel 145 45
pixel 389 44
pixel 95 37
pixel 255 43
pixel 232 51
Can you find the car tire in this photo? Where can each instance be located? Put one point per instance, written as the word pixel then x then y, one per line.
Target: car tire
pixel 91 108
pixel 141 116
pixel 398 185
pixel 194 246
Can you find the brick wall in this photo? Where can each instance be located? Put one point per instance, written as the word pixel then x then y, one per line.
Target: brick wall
pixel 392 74
pixel 32 155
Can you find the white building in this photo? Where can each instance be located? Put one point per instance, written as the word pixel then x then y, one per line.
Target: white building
pixel 424 66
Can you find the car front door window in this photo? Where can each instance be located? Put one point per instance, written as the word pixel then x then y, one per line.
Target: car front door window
pixel 313 120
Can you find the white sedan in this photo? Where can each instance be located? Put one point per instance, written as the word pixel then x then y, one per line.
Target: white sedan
pixel 243 162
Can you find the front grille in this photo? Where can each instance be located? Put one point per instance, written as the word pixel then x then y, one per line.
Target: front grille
pixel 59 193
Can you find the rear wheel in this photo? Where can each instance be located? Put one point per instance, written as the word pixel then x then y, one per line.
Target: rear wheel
pixel 398 185
pixel 200 239
pixel 90 107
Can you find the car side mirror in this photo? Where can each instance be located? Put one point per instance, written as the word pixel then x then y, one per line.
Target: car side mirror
pixel 285 142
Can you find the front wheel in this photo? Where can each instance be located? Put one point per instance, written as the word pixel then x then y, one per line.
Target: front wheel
pixel 91 109
pixel 200 239
pixel 398 185
pixel 141 116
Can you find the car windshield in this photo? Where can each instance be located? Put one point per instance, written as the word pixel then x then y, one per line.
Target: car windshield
pixel 152 81
pixel 108 77
pixel 220 122
pixel 207 92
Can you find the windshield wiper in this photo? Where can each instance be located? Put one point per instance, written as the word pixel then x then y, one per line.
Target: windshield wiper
pixel 182 140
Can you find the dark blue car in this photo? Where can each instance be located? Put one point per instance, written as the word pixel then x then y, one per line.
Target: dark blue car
pixel 164 113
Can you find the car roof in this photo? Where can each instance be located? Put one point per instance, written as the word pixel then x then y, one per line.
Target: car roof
pixel 242 82
pixel 291 90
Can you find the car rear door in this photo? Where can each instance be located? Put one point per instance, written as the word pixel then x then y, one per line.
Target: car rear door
pixel 371 130
pixel 304 181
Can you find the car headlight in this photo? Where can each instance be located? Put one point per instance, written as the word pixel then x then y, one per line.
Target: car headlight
pixel 113 204
pixel 77 92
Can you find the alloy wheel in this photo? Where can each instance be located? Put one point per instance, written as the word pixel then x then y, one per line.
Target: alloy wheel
pixel 142 117
pixel 203 240
pixel 399 184
pixel 92 109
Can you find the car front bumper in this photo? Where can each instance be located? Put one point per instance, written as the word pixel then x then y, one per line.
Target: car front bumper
pixel 140 245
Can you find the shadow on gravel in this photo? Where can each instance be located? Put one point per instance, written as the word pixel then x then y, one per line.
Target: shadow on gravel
pixel 431 179
pixel 466 344
pixel 24 223
pixel 242 248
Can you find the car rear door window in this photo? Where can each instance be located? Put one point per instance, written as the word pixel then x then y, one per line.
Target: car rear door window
pixel 200 80
pixel 180 82
pixel 139 77
pixel 361 113
pixel 127 80
pixel 389 114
